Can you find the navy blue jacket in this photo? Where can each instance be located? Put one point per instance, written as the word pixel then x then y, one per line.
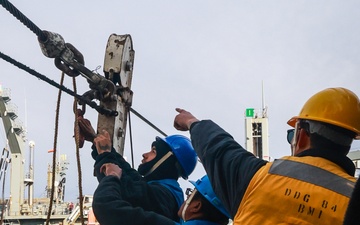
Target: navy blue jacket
pixel 111 209
pixel 157 196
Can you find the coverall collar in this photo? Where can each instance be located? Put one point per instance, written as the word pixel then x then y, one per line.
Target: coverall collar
pixel 333 156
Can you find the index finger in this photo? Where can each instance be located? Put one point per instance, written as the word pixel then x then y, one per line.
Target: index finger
pixel 179 110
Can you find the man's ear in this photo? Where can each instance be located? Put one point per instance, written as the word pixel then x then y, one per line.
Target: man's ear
pixel 195 206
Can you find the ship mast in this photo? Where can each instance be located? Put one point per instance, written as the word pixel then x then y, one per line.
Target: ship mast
pixel 257 130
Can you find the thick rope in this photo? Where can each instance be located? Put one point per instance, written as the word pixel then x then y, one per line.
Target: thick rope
pixel 54 152
pixel 81 197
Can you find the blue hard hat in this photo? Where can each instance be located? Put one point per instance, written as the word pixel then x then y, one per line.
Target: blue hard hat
pixel 184 152
pixel 204 187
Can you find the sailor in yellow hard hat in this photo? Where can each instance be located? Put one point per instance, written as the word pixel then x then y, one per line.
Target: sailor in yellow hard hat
pixel 332 114
pixel 312 186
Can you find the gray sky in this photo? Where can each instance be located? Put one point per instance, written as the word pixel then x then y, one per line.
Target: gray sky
pixel 208 57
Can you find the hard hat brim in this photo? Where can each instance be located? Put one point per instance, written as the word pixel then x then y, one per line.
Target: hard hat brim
pixel 292 121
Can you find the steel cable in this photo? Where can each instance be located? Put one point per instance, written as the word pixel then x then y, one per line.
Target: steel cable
pixel 61 87
pixel 23 19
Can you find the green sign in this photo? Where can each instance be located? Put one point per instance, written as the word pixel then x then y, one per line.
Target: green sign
pixel 249 112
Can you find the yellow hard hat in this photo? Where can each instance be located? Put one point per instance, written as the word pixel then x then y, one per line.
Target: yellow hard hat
pixel 336 106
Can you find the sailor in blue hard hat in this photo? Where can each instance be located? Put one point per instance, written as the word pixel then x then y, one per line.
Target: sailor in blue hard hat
pixel 202 207
pixel 154 186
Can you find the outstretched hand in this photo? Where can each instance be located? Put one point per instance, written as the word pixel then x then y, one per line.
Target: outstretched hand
pixel 103 142
pixel 184 120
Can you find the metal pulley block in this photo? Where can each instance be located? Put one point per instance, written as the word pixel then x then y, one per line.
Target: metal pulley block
pixel 119 59
pixel 118 67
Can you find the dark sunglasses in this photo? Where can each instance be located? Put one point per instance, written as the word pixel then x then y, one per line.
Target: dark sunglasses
pixel 290 135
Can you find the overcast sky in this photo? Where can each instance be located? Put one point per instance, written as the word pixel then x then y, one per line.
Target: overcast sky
pixel 208 57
